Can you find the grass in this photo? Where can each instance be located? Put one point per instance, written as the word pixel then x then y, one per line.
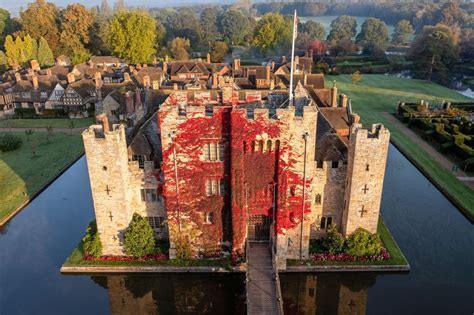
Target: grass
pixel 22 175
pixel 45 122
pixel 76 260
pixel 379 93
pixel 396 255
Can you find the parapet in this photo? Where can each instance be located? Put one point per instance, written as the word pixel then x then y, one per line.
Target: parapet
pixel 99 132
pixel 378 131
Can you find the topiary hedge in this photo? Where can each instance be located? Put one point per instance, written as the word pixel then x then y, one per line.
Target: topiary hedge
pixel 9 142
pixel 91 241
pixel 139 238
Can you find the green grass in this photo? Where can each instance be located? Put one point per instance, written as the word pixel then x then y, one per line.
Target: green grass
pixel 396 255
pixel 43 123
pixel 76 260
pixel 379 93
pixel 22 175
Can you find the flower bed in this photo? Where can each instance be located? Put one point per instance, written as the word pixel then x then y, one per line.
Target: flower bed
pixel 155 257
pixel 343 257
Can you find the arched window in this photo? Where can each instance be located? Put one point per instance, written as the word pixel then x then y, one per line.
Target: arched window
pixel 318 199
pixel 323 223
pixel 277 145
pixel 210 217
pixel 245 147
pixel 252 144
pixel 292 190
pixel 329 222
pixel 260 146
pixel 269 145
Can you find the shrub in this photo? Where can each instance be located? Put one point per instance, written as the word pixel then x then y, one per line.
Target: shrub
pixel 333 241
pixel 9 142
pixel 91 241
pixel 25 113
pixel 139 238
pixel 362 243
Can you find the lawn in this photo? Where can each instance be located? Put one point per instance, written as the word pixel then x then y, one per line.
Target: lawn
pixel 22 175
pixel 396 255
pixel 380 93
pixel 45 122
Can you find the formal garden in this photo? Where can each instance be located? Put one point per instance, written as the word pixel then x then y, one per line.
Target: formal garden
pixel 446 125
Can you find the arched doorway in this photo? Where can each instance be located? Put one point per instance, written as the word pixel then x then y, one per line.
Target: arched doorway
pixel 258 228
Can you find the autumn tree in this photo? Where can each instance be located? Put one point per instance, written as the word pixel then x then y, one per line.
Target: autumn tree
pixel 3 62
pixel 12 51
pixel 179 48
pixel 433 53
pixel 343 27
pixel 132 36
pixel 235 26
pixel 374 33
pixel 45 55
pixel 208 21
pixel 273 32
pixel 40 19
pixel 403 29
pixel 218 51
pixel 76 22
pixel 29 50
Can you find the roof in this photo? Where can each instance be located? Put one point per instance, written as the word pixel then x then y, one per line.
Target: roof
pixel 188 67
pixel 330 147
pixel 336 116
pixel 105 59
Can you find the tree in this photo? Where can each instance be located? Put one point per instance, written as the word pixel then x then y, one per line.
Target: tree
pixel 433 53
pixel 218 51
pixel 451 14
pixel 273 32
pixel 139 239
pixel 179 48
pixel 362 243
pixel 343 27
pixel 119 5
pixel 104 8
pixel 208 21
pixel 3 62
pixel 466 44
pixel 76 22
pixel 374 32
pixel 356 77
pixel 343 47
pixel 29 49
pixel 12 51
pixel 403 29
pixel 313 29
pixel 91 241
pixel 40 19
pixel 132 36
pixel 333 241
pixel 184 24
pixel 45 55
pixel 235 25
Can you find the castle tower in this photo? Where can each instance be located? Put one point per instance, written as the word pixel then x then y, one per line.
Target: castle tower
pixel 107 162
pixel 367 158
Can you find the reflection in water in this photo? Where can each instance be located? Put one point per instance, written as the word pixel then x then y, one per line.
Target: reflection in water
pixel 327 293
pixel 174 294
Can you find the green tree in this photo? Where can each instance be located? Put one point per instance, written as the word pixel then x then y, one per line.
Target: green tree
pixel 374 32
pixel 333 241
pixel 179 48
pixel 343 27
pixel 403 29
pixel 433 53
pixel 218 51
pixel 76 22
pixel 451 14
pixel 29 49
pixel 45 55
pixel 40 19
pixel 3 62
pixel 362 243
pixel 91 241
pixel 12 51
pixel 208 21
pixel 273 31
pixel 356 77
pixel 132 36
pixel 313 29
pixel 235 26
pixel 139 239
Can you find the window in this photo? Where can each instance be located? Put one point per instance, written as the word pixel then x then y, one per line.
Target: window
pixel 214 151
pixel 311 292
pixel 260 146
pixel 318 199
pixel 209 218
pixel 367 167
pixel 156 222
pixel 328 222
pixel 215 187
pixel 149 195
pixel 269 146
pixel 293 190
pixel 319 164
pixel 140 158
pixel 335 164
pixel 113 112
pixel 325 222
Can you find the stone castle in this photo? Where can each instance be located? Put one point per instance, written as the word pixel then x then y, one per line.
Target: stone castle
pixel 226 157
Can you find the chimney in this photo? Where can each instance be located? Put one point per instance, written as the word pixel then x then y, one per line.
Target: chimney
pixel 145 65
pixel 138 97
pixel 35 65
pixel 342 100
pixel 355 119
pixel 166 58
pixel 310 54
pixel 165 68
pixel 91 64
pixel 272 84
pixel 146 81
pixel 17 76
pixel 49 73
pixel 214 80
pixel 155 61
pixel 104 121
pixel 156 85
pixel 31 72
pixel 126 77
pixel 297 60
pixel 267 73
pixel 131 68
pixel 71 78
pixel 34 80
pixel 175 86
pixel 139 67
pixel 273 65
pixel 334 94
pixel 305 78
pixel 98 80
pixel 208 58
pixel 236 64
pixel 129 102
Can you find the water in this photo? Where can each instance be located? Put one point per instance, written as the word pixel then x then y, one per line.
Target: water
pixel 434 236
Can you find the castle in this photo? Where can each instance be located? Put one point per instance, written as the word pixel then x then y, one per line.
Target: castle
pixel 225 158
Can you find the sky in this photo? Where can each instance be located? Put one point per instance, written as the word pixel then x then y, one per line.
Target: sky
pixel 14 5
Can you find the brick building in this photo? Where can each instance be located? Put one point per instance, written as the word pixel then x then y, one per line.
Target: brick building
pixel 216 166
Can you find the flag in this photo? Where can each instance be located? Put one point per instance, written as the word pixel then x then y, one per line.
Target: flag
pixel 295 26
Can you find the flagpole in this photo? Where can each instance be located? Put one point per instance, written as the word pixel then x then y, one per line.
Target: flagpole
pixel 292 58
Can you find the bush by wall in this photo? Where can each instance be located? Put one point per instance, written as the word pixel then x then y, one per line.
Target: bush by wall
pixel 91 241
pixel 362 243
pixel 9 142
pixel 25 113
pixel 139 238
pixel 333 241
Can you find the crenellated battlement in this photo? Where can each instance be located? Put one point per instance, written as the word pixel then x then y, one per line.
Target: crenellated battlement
pixel 377 132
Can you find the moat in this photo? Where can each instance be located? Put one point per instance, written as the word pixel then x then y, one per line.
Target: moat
pixel 435 237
